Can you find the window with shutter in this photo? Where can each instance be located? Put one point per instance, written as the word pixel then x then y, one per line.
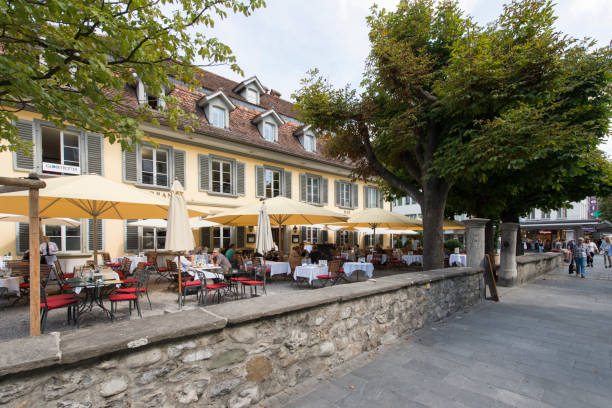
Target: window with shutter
pixel 240 231
pixel 131 237
pixel 302 187
pixel 23 237
pixel 240 187
pixel 204 170
pixel 179 166
pixel 90 234
pixel 354 195
pixel 324 236
pixel 287 180
pixel 23 159
pixel 205 238
pixel 61 150
pixel 303 234
pixel 259 181
pixel 95 153
pixel 130 165
pixel 324 191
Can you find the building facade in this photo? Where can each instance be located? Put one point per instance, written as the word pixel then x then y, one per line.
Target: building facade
pixel 249 145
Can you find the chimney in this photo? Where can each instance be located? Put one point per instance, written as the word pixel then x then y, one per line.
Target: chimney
pixel 275 93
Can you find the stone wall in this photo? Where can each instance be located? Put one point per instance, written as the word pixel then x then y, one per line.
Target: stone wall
pixel 531 266
pixel 228 355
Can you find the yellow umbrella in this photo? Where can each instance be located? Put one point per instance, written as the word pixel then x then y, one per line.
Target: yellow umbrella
pixel 379 218
pixel 90 196
pixel 447 225
pixel 281 211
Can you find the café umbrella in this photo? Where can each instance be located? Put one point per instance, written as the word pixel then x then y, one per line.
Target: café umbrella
pixel 179 237
pixel 90 196
pixel 379 218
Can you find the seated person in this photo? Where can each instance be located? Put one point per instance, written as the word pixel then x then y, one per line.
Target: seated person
pixel 221 260
pixel 378 249
pixel 229 253
pixel 185 261
pixel 295 259
pixel 315 255
pixel 358 252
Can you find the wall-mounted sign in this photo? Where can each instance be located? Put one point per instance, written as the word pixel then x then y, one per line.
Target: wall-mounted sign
pixel 588 229
pixel 543 232
pixel 61 168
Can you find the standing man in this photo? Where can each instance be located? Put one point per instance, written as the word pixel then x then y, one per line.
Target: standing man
pixel 580 253
pixel 48 251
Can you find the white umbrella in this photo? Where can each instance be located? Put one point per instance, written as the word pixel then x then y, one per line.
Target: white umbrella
pixel 150 223
pixel 203 224
pixel 264 241
pixel 179 237
pixel 69 222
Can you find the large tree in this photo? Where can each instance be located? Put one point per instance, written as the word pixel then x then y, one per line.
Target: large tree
pixel 442 93
pixel 71 59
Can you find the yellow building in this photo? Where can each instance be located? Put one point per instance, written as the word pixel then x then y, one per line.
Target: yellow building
pixel 249 145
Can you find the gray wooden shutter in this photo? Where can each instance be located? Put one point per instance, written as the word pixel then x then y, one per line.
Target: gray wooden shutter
pixel 204 169
pixel 380 198
pixel 179 166
pixel 240 188
pixel 90 230
pixel 205 237
pixel 240 231
pixel 131 237
pixel 354 195
pixel 259 181
pixel 323 192
pixel 95 153
pixel 130 165
pixel 337 193
pixel 302 187
pixel 366 201
pixel 303 233
pixel 380 239
pixel 324 236
pixel 23 237
pixel 24 158
pixel 355 238
pixel 338 238
pixel 287 177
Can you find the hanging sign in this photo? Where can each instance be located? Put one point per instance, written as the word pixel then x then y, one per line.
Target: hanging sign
pixel 61 168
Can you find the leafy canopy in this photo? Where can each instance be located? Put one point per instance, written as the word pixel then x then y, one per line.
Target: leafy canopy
pixel 71 59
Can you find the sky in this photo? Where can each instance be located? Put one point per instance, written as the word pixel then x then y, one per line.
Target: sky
pixel 281 42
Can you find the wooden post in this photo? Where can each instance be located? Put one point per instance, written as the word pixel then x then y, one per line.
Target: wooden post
pixel 34 263
pixel 95 241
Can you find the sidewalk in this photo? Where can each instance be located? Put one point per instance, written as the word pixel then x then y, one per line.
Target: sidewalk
pixel 546 344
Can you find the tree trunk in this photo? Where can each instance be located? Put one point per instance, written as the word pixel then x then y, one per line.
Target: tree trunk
pixel 434 201
pixel 490 239
pixel 520 250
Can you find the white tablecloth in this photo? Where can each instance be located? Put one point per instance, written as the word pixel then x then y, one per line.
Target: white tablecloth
pixel 460 259
pixel 309 272
pixel 11 284
pixel 410 259
pixel 278 268
pixel 350 267
pixel 383 258
pixel 206 273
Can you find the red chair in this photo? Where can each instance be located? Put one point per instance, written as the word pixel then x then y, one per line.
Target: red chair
pixel 254 283
pixel 191 287
pixel 215 288
pixel 70 302
pixel 331 276
pixel 109 262
pixel 141 285
pixel 124 297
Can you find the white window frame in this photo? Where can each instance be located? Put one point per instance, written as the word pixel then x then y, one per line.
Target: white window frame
pixel 368 200
pixel 221 162
pixel 270 131
pixel 312 234
pixel 156 237
pixel 221 234
pixel 155 173
pixel 313 183
pixel 344 237
pixel 272 172
pixel 345 195
pixel 249 93
pixel 218 115
pixel 62 244
pixel 62 132
pixel 546 215
pixel 310 143
pixel 531 215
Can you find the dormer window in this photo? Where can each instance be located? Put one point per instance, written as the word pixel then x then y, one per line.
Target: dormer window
pixel 268 123
pixel 270 132
pixel 252 96
pixel 250 89
pixel 145 98
pixel 307 138
pixel 217 107
pixel 218 116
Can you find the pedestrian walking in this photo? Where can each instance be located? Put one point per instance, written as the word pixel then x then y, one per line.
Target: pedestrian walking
pixel 570 248
pixel 592 250
pixel 603 250
pixel 580 253
pixel 608 253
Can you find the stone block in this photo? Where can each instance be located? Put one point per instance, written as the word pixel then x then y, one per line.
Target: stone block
pixel 114 386
pixel 246 335
pixel 28 353
pixel 197 356
pixel 177 349
pixel 258 369
pixel 141 359
pixel 327 349
pixel 227 358
pixel 223 388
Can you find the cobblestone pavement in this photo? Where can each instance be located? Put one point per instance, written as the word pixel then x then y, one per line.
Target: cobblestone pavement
pixel 546 344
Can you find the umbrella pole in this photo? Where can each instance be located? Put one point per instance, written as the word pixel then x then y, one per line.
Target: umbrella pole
pixel 180 284
pixel 281 242
pixel 95 241
pixel 34 263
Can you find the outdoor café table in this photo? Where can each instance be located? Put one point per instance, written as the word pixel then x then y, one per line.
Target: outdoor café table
pixel 95 289
pixel 11 284
pixel 350 267
pixel 459 259
pixel 410 259
pixel 278 268
pixel 383 258
pixel 206 272
pixel 135 259
pixel 309 272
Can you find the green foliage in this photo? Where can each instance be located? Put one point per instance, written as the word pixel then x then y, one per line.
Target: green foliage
pixel 451 244
pixel 71 59
pixel 605 208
